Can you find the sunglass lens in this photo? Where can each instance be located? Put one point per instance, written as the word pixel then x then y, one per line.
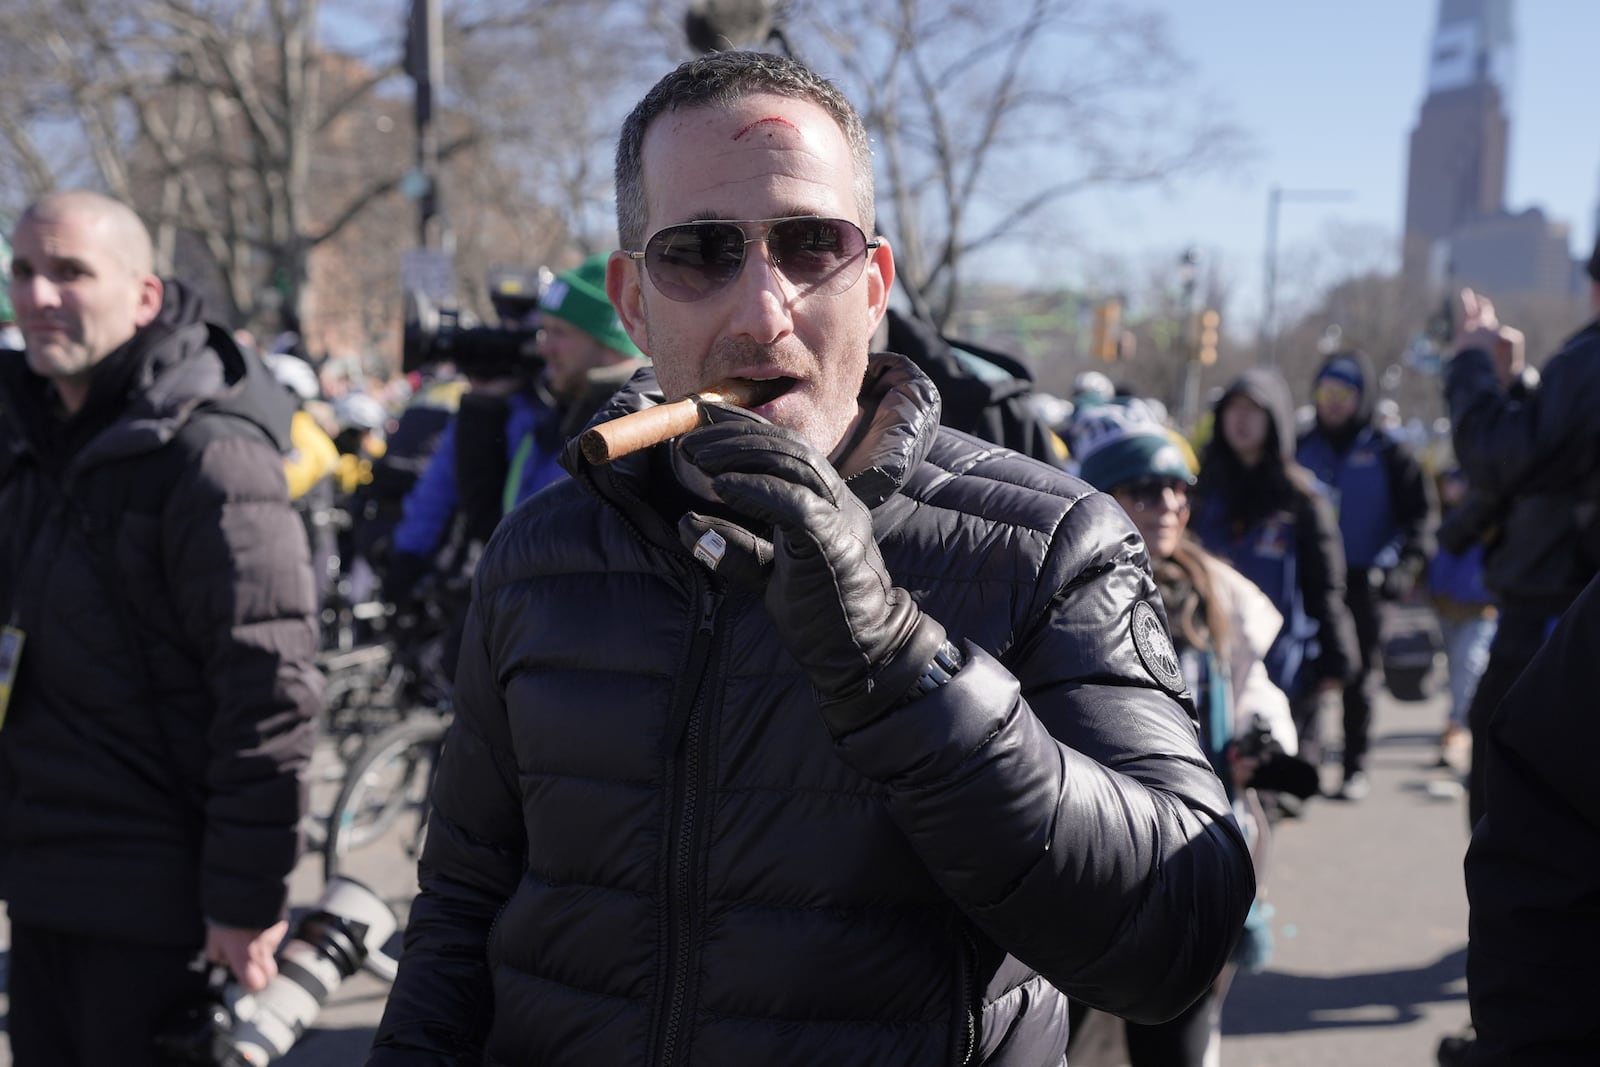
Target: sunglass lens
pixel 817 253
pixel 1153 494
pixel 693 261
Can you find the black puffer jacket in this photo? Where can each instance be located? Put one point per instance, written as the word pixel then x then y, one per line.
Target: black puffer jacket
pixel 1537 456
pixel 641 814
pixel 149 764
pixel 1531 873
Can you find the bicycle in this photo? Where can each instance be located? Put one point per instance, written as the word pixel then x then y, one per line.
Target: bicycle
pixel 378 825
pixel 375 828
pixel 369 689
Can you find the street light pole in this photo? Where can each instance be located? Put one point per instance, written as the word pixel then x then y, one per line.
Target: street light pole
pixel 1188 275
pixel 1269 295
pixel 424 61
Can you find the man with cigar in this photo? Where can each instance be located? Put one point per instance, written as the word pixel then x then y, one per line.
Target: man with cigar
pixel 819 734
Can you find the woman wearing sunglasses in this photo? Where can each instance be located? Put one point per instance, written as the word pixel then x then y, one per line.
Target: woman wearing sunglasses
pixel 1257 508
pixel 1222 626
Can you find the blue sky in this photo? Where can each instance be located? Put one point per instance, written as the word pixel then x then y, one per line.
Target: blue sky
pixel 1329 92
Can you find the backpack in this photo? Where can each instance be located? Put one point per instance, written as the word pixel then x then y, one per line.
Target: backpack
pixel 985 393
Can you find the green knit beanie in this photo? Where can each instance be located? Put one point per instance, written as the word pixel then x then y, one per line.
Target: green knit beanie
pixel 579 296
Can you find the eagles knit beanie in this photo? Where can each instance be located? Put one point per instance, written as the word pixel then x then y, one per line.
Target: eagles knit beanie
pixel 1117 444
pixel 579 296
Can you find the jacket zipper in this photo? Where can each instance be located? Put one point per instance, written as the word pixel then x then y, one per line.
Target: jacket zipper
pixel 687 721
pixel 969 996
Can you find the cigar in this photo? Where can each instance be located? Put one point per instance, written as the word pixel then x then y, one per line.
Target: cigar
pixel 651 426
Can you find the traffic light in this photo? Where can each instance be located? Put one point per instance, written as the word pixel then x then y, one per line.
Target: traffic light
pixel 1210 323
pixel 1107 338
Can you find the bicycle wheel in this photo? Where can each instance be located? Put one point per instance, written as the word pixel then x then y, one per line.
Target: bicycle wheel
pixel 376 830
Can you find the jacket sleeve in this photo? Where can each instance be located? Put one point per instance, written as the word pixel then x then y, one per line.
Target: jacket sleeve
pixel 1322 588
pixel 1535 442
pixel 1416 512
pixel 246 596
pixel 1532 879
pixel 431 502
pixel 441 1005
pixel 1060 796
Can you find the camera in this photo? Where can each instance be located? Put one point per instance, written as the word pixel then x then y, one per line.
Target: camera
pixel 232 1028
pixel 435 334
pixel 1275 769
pixel 1257 742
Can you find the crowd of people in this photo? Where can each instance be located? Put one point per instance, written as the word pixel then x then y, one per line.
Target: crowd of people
pixel 821 732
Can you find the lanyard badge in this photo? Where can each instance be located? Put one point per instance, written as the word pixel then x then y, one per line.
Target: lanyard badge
pixel 11 640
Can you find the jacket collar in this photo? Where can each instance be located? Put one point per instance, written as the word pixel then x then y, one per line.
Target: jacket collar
pixel 142 394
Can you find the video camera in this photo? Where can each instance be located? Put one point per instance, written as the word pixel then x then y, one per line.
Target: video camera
pixel 435 334
pixel 232 1028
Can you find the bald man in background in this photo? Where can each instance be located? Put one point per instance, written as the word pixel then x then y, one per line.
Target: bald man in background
pixel 157 685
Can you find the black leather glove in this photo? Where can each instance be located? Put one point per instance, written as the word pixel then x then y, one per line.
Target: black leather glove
pixel 862 640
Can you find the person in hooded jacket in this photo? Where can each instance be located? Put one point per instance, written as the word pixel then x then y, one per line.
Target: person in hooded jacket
pixel 821 734
pixel 1387 519
pixel 158 668
pixel 1261 511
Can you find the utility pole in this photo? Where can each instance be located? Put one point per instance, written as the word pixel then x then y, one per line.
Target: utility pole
pixel 1269 296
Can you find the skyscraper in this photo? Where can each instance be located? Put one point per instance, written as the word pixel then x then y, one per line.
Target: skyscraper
pixel 1457 171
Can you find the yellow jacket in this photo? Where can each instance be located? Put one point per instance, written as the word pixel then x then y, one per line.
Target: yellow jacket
pixel 313 455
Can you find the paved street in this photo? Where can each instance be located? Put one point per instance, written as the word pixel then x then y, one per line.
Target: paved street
pixel 1370 928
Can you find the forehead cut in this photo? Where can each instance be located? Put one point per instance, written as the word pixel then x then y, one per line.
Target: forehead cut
pixel 755 140
pixel 800 125
pixel 778 119
pixel 114 226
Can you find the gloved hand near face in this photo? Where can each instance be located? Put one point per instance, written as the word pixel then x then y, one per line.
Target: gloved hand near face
pixel 862 640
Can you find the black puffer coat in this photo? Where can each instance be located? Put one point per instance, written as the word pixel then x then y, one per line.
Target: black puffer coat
pixel 641 815
pixel 150 781
pixel 1532 879
pixel 1537 456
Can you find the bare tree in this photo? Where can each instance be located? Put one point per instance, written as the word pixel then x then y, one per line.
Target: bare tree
pixel 988 114
pixel 226 122
pixel 258 135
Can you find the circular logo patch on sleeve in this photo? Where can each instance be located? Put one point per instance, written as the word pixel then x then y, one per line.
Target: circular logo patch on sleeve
pixel 1155 648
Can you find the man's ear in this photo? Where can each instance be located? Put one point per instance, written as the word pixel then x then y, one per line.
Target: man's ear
pixel 149 306
pixel 880 279
pixel 626 293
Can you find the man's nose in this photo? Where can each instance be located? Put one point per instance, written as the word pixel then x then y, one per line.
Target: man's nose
pixel 35 291
pixel 764 297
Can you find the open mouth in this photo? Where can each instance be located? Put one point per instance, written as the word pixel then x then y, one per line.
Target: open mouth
pixel 766 390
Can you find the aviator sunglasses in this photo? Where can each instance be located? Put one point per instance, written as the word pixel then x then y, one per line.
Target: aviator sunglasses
pixel 695 260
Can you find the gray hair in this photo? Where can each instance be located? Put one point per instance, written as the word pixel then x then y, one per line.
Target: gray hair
pixel 720 80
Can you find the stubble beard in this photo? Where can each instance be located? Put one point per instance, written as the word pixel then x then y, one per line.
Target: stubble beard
pixel 832 403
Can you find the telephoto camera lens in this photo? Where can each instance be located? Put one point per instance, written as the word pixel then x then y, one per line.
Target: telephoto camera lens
pixel 329 944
